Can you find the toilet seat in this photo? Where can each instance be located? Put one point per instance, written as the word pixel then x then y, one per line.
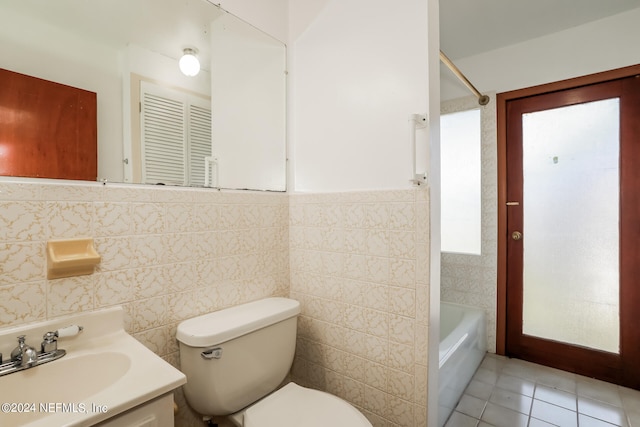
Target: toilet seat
pixel 295 406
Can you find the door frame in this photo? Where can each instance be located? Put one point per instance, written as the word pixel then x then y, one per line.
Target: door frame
pixel 501 106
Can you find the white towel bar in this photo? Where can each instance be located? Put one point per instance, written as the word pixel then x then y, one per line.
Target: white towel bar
pixel 416 121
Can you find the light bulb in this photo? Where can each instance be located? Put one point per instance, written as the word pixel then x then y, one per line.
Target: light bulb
pixel 189 64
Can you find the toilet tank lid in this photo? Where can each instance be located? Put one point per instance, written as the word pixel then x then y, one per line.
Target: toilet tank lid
pixel 224 325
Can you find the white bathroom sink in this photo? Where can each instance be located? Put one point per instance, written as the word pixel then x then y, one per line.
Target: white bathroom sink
pixel 103 370
pixel 104 373
pixel 66 380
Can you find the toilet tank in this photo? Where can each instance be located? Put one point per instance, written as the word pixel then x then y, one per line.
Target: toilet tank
pixel 236 356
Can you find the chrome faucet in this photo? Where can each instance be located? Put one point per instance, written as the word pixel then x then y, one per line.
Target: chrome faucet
pixel 50 339
pixel 49 342
pixel 24 355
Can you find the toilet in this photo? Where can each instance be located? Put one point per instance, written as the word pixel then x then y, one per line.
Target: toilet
pixel 235 361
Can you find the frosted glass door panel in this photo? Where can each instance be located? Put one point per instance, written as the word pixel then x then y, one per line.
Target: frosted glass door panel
pixel 570 231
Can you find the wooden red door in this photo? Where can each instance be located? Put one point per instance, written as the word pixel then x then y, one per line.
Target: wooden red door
pixel 47 129
pixel 560 252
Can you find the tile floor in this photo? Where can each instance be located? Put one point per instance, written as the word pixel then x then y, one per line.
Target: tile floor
pixel 513 393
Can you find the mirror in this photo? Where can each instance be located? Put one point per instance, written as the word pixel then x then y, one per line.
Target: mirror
pixel 125 49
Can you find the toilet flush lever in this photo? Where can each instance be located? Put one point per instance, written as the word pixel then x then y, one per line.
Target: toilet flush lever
pixel 212 353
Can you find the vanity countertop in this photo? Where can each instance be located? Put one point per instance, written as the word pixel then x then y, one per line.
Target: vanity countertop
pixel 105 372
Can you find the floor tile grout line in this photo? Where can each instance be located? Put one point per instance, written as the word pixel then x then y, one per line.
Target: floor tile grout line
pixel 497 369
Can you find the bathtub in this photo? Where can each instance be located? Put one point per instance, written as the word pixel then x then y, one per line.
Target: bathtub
pixel 463 344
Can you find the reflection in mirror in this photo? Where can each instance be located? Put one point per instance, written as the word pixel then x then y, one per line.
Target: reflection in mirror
pixel 126 50
pixel 248 80
pixel 47 130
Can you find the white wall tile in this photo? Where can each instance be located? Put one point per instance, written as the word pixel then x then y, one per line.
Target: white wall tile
pixel 352 259
pixel 22 262
pixel 69 295
pixel 376 269
pixel 22 303
pixel 22 221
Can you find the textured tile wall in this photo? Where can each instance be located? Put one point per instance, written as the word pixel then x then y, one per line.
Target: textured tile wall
pixel 168 254
pixel 359 265
pixel 472 279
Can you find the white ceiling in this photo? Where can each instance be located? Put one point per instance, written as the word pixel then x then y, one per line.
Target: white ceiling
pixel 470 27
pixel 167 30
pixel 467 27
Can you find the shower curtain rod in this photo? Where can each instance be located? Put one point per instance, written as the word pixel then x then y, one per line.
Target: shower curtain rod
pixel 482 99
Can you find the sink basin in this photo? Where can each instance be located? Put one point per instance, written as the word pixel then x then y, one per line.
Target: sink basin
pixel 104 374
pixel 60 377
pixel 62 381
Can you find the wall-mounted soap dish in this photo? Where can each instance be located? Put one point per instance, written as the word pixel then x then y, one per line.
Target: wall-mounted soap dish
pixel 71 257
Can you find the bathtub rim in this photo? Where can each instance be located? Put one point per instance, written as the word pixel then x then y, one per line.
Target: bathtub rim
pixel 459 334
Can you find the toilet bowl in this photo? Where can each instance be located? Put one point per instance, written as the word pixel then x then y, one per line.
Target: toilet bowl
pixel 236 359
pixel 295 406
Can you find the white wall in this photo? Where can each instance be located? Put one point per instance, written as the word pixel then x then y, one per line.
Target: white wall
pixel 33 47
pixel 359 69
pixel 601 45
pixel 269 16
pixel 248 107
pixel 153 65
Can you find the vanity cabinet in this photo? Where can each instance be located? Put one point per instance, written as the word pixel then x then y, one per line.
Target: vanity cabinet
pixel 155 413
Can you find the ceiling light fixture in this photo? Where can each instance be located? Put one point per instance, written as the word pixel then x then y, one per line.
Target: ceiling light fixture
pixel 189 64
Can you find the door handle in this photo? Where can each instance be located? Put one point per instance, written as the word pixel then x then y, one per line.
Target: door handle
pixel 516 235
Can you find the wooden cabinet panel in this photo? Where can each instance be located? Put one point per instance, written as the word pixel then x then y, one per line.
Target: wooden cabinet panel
pixel 47 130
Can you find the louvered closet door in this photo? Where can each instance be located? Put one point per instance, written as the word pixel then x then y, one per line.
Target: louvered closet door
pixel 176 136
pixel 164 135
pixel 199 140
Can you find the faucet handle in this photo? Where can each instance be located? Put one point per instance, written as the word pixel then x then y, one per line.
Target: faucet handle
pixel 16 354
pixel 50 339
pixel 23 354
pixel 69 331
pixel 49 342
